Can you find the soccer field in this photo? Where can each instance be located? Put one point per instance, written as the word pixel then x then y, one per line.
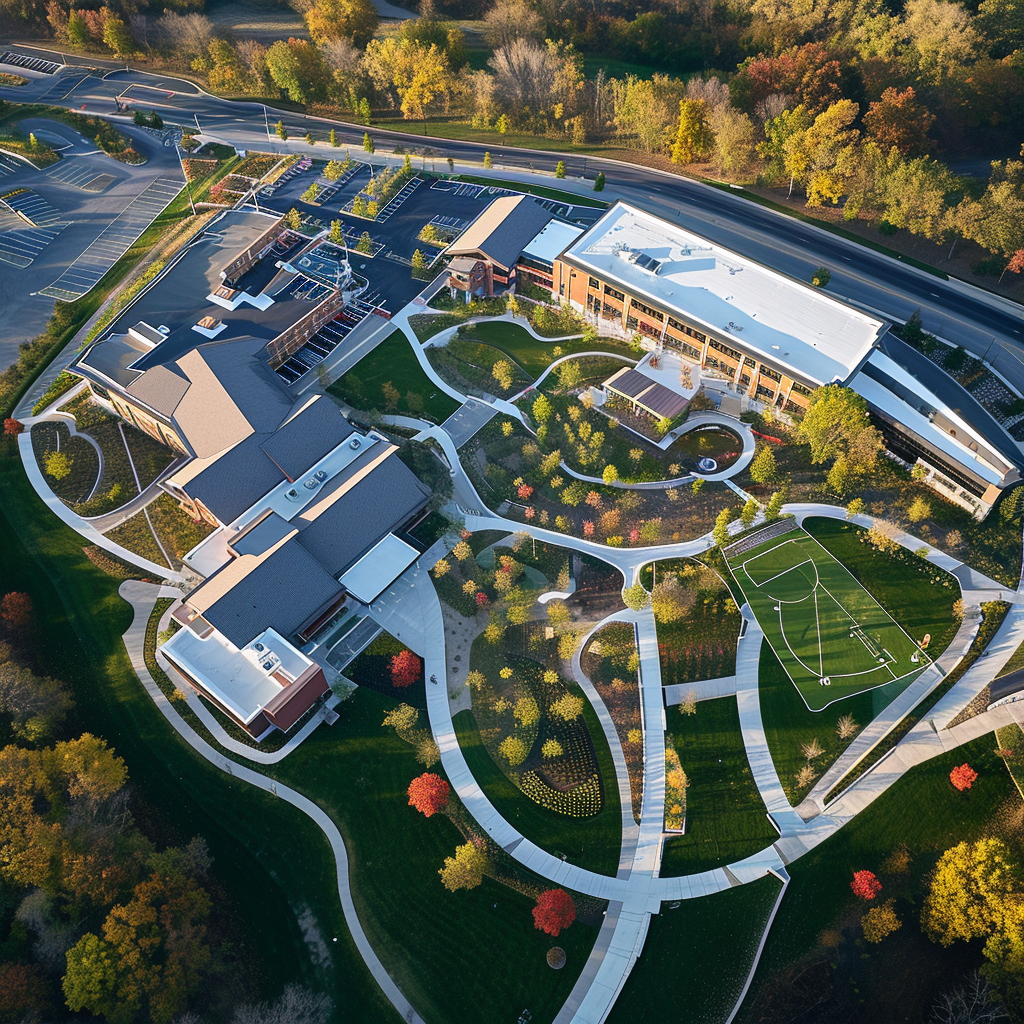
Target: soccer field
pixel 833 638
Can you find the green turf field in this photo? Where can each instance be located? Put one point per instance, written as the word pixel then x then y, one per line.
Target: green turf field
pixel 833 638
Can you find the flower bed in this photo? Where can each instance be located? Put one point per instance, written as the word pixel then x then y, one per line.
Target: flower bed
pixel 675 791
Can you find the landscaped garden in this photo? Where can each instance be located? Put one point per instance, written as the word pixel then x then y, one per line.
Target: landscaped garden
pixel 698 621
pixel 161 532
pixel 505 462
pixel 726 819
pixel 891 492
pixel 390 668
pixel 831 953
pixel 389 379
pixel 921 599
pixel 611 662
pixel 361 774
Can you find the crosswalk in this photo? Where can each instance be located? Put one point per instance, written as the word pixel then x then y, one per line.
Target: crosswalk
pixel 114 241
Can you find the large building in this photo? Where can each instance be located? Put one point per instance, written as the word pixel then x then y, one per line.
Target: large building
pixel 309 514
pixel 776 340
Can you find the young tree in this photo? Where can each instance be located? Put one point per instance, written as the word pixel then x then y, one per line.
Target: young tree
pixel 554 912
pixel 282 132
pixel 763 470
pixel 749 513
pixel 963 777
pixel 694 138
pixel 720 533
pixel 881 921
pixel 428 793
pixel 670 600
pixel 336 233
pixel 560 169
pixel 310 141
pixel 466 869
pixel 16 610
pixel 599 182
pixel 636 597
pixel 836 424
pixel 58 465
pixel 513 749
pixel 365 243
pixel 609 475
pixel 13 427
pixel 542 409
pixel 919 509
pixel 355 20
pixel 405 668
pixel 333 139
pixel 526 711
pixel 487 161
pixel 503 373
pixel 419 262
pixel 368 145
pixel 568 707
pixel 773 509
pixel 865 885
pixel 855 508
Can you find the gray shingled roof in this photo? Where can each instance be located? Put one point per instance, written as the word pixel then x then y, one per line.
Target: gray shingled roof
pixel 503 230
pixel 303 440
pixel 161 389
pixel 283 593
pixel 383 501
pixel 236 480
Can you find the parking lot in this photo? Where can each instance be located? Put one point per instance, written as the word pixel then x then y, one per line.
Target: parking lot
pixel 114 241
pixel 34 256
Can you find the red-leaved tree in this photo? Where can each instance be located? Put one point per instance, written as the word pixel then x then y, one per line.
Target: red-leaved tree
pixel 13 427
pixel 524 492
pixel 428 794
pixel 554 911
pixel 405 669
pixel 963 777
pixel 866 885
pixel 16 610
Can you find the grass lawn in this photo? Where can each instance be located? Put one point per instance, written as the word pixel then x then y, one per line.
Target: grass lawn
pixel 1016 662
pixel 135 535
pixel 697 957
pixel 532 354
pixel 372 668
pixel 393 361
pixel 178 531
pixel 468 365
pixel 593 843
pixel 470 955
pixel 270 862
pixel 816 936
pixel 832 637
pixel 725 815
pixel 1010 738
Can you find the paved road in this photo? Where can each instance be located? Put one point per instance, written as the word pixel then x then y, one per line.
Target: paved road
pixel 980 322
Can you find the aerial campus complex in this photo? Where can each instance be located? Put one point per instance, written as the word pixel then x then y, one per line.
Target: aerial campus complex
pixel 631 591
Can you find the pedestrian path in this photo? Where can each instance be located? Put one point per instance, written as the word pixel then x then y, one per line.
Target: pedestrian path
pixel 142 597
pixel 702 689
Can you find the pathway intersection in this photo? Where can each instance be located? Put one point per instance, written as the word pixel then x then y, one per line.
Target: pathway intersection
pixel 410 610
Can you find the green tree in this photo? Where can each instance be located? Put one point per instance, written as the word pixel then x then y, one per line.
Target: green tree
pixel 763 469
pixel 365 243
pixel 698 485
pixel 560 169
pixel 117 36
pixel 694 138
pixel 355 20
pixel 365 113
pixel 610 475
pixel 419 262
pixel 282 132
pixel 599 182
pixel 368 145
pixel 569 374
pixel 513 749
pixel 919 509
pixel 836 424
pixel 720 533
pixel 636 597
pixel 336 234
pixel 542 408
pixel 749 513
pixel 855 508
pixel 333 139
pixel 503 373
pixel 773 509
pixel 293 219
pixel 503 124
pixel 487 160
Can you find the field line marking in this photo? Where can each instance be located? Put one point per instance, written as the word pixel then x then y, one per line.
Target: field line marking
pixel 783 573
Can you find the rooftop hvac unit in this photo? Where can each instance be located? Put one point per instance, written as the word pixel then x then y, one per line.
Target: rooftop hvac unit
pixel 311 484
pixel 292 495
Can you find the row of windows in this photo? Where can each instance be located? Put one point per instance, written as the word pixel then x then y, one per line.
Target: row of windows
pixel 731 352
pixel 653 313
pixel 770 374
pixel 612 293
pixel 685 329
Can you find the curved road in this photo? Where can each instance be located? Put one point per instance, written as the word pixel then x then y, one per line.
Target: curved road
pixel 983 324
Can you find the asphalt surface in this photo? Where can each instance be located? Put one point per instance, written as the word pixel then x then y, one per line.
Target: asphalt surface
pixel 984 325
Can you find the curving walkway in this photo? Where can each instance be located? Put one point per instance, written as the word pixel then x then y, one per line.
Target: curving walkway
pixel 142 598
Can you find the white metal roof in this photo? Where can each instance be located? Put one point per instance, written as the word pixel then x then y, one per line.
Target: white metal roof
pixel 957 448
pixel 378 568
pixel 552 240
pixel 791 325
